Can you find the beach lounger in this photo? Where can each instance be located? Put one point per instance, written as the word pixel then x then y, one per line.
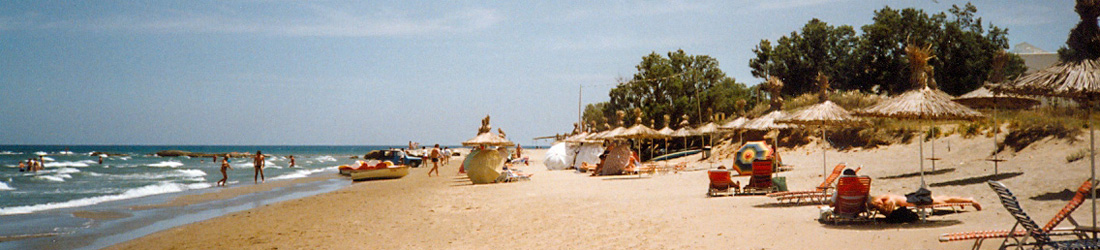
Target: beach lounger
pixel 820 194
pixel 761 180
pixel 1034 236
pixel 720 183
pixel 851 201
pixel 1066 212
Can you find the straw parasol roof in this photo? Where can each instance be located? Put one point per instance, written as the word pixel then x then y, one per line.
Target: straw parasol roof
pixel 735 124
pixel 610 134
pixel 640 131
pixel 767 122
pixel 825 113
pixel 666 131
pixel 984 98
pixel 709 128
pixel 1078 80
pixel 487 139
pixel 578 138
pixel 683 132
pixel 922 104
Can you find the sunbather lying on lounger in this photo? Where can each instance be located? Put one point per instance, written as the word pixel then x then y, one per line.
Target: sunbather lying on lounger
pixel 889 202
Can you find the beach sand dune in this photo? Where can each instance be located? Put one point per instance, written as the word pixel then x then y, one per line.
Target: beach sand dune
pixel 566 210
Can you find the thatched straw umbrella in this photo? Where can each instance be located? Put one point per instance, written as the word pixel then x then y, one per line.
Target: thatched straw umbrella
pixel 640 131
pixel 1076 77
pixel 822 114
pixel 488 139
pixel 923 103
pixel 984 98
pixel 736 125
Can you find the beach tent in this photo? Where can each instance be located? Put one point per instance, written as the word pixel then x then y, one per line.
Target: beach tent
pixel 587 153
pixel 558 157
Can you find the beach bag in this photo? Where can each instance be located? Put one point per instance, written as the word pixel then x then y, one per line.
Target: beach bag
pixel 921 197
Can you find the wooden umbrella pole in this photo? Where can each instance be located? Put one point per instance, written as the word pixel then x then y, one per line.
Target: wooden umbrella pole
pixel 1092 163
pixel 922 184
pixel 824 147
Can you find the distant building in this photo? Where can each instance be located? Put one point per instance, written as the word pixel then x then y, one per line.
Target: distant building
pixel 1036 59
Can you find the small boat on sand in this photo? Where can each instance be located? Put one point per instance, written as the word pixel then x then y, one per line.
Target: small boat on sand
pixel 382 170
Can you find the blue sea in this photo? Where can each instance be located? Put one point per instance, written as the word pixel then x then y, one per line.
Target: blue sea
pixel 41 203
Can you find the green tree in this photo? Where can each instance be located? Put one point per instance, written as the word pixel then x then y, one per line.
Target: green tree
pixel 797 58
pixel 676 85
pixel 596 114
pixel 874 61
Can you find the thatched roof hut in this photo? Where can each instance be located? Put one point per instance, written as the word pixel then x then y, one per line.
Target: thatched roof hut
pixel 709 128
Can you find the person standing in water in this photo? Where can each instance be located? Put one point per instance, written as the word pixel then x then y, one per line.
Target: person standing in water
pixel 291 160
pixel 225 166
pixel 435 155
pixel 258 164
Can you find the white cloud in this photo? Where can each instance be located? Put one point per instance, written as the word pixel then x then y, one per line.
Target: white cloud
pixel 317 21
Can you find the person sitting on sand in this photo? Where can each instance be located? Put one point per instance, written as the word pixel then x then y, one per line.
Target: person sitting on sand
pixel 225 166
pixel 599 166
pixel 258 166
pixel 889 202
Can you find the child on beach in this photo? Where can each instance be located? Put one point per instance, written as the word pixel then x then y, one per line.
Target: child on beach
pixel 258 164
pixel 225 165
pixel 291 160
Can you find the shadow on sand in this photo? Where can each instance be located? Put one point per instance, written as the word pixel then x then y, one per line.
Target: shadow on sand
pixel 879 225
pixel 977 180
pixel 788 204
pixel 1065 195
pixel 625 177
pixel 916 174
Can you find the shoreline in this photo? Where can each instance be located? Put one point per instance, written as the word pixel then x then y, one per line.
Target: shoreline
pixel 106 224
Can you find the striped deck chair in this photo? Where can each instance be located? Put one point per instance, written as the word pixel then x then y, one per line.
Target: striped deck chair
pixel 1065 213
pixel 851 203
pixel 820 194
pixel 1034 236
pixel 761 180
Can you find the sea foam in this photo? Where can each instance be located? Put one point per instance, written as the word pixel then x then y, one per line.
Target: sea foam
pixel 154 189
pixel 166 164
pixel 84 163
pixel 4 186
pixel 299 174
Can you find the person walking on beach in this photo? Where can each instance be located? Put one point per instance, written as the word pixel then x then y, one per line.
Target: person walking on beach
pixel 258 164
pixel 291 160
pixel 435 155
pixel 225 166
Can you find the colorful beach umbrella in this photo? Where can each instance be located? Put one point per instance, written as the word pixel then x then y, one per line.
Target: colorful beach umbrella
pixel 751 151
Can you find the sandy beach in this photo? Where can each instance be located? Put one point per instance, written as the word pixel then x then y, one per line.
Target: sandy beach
pixel 567 210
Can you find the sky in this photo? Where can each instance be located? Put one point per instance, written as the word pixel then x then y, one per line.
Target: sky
pixel 270 72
